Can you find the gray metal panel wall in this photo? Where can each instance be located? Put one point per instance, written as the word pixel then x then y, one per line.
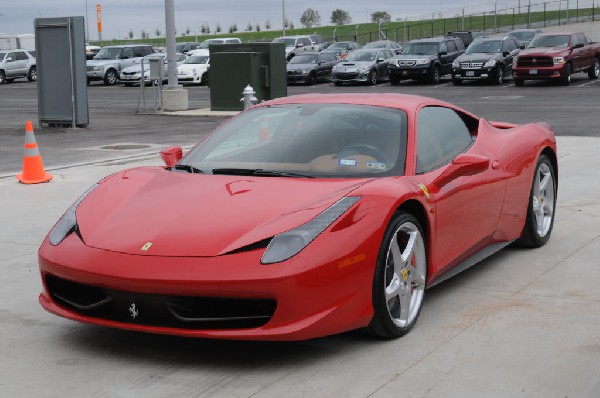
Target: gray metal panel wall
pixel 61 71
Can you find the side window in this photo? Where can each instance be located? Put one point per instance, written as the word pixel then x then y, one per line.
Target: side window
pixel 459 44
pixel 21 56
pixel 442 134
pixel 307 41
pixel 581 38
pixel 443 48
pixel 575 40
pixel 451 46
pixel 127 53
pixel 10 57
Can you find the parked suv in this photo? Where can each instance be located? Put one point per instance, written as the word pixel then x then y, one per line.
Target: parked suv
pixel 486 59
pixel 17 63
pixel 425 59
pixel 295 45
pixel 109 62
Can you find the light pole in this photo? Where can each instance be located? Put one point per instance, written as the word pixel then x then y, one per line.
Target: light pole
pixel 87 25
pixel 283 17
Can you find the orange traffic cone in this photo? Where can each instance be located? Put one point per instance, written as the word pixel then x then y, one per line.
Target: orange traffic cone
pixel 33 169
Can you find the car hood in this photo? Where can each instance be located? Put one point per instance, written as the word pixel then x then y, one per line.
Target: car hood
pixel 184 214
pixel 477 57
pixel 101 62
pixel 547 51
pixel 135 68
pixel 300 66
pixel 193 66
pixel 414 56
pixel 353 64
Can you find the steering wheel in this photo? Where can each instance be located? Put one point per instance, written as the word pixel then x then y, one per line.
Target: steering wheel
pixel 362 149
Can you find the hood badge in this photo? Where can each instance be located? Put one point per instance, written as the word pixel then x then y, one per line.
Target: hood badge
pixel 133 311
pixel 146 246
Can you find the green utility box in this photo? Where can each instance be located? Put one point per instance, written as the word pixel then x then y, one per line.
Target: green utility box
pixel 234 66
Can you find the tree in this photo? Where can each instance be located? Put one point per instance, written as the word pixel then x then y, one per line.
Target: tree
pixel 340 17
pixel 291 25
pixel 218 29
pixel 286 23
pixel 203 29
pixel 231 29
pixel 235 28
pixel 144 34
pixel 310 18
pixel 267 25
pixel 249 27
pixel 130 34
pixel 157 32
pixel 380 16
pixel 257 27
pixel 187 31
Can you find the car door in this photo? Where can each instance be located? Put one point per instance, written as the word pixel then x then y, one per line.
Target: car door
pixel 466 209
pixel 127 57
pixel 22 61
pixel 585 52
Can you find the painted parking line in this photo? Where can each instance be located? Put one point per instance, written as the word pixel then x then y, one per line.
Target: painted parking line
pixel 587 84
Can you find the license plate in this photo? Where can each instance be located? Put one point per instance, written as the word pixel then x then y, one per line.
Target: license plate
pixel 533 71
pixel 470 73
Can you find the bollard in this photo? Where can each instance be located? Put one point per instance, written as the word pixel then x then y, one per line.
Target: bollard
pixel 248 97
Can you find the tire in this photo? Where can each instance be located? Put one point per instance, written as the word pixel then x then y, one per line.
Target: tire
pixel 2 77
pixel 565 78
pixel 519 82
pixel 394 80
pixel 311 79
pixel 499 75
pixel 32 74
pixel 457 82
pixel 399 279
pixel 110 79
pixel 436 75
pixel 88 82
pixel 204 79
pixel 372 77
pixel 594 71
pixel 542 205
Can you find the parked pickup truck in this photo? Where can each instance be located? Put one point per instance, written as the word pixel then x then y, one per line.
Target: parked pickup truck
pixel 557 56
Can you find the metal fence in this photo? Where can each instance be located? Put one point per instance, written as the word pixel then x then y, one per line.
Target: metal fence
pixel 489 18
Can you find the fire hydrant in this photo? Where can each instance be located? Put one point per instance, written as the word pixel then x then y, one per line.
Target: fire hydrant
pixel 248 97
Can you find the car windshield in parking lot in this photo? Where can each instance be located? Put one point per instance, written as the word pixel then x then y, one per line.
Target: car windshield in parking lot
pixel 485 47
pixel 109 53
pixel 2 55
pixel 288 41
pixel 197 59
pixel 549 41
pixel 304 59
pixel 313 140
pixel 340 44
pixel 360 55
pixel 420 48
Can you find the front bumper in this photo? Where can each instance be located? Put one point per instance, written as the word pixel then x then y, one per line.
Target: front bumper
pixel 354 76
pixel 473 74
pixel 410 72
pixel 312 299
pixel 95 74
pixel 538 73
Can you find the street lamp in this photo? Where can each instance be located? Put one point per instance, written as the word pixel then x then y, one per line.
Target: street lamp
pixel 87 25
pixel 283 17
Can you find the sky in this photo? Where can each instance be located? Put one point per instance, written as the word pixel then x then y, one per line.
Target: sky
pixel 121 16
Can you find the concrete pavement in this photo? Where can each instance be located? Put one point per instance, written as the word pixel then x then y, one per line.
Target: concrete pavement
pixel 523 323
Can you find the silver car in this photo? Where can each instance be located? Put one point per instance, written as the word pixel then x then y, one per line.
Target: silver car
pixel 133 74
pixel 364 66
pixel 108 63
pixel 16 64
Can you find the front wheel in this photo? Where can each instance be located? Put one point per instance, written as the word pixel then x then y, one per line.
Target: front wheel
pixel 372 78
pixel 111 77
pixel 32 74
pixel 594 72
pixel 2 77
pixel 436 75
pixel 542 203
pixel 399 279
pixel 311 79
pixel 499 75
pixel 565 78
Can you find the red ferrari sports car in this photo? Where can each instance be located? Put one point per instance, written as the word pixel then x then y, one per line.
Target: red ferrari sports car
pixel 301 217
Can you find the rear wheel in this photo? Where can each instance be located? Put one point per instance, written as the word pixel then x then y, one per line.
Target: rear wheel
pixel 32 74
pixel 594 72
pixel 565 78
pixel 542 203
pixel 111 77
pixel 2 77
pixel 399 279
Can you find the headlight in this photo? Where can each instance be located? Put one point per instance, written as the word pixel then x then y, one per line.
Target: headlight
pixel 455 64
pixel 304 71
pixel 423 61
pixel 558 60
pixel 98 68
pixel 287 244
pixel 363 69
pixel 67 223
pixel 490 64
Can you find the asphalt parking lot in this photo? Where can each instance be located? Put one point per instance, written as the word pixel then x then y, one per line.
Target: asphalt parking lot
pixel 523 323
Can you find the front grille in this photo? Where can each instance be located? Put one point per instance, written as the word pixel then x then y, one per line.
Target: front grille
pixel 128 73
pixel 294 72
pixel 346 75
pixel 90 68
pixel 535 61
pixel 182 312
pixel 471 65
pixel 406 62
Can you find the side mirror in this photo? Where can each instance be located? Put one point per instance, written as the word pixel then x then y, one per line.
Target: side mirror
pixel 578 45
pixel 171 155
pixel 522 46
pixel 380 60
pixel 462 165
pixel 444 53
pixel 506 53
pixel 299 45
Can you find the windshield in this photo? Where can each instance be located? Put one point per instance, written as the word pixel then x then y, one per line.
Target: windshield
pixel 304 59
pixel 179 47
pixel 549 41
pixel 522 36
pixel 362 56
pixel 420 48
pixel 376 44
pixel 109 53
pixel 197 59
pixel 340 44
pixel 485 47
pixel 288 42
pixel 314 140
pixel 2 55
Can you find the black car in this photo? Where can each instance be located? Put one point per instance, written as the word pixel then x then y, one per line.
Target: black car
pixel 425 59
pixel 310 67
pixel 486 59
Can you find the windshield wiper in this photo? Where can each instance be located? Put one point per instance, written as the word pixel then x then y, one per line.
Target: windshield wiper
pixel 258 172
pixel 187 167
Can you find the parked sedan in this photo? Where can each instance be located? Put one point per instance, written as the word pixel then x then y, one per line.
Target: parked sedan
pixel 310 68
pixel 133 74
pixel 365 66
pixel 195 68
pixel 486 59
pixel 17 63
